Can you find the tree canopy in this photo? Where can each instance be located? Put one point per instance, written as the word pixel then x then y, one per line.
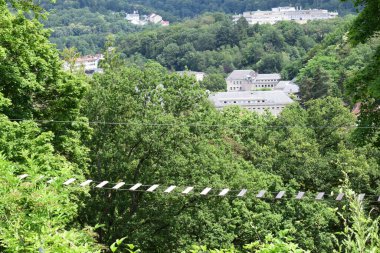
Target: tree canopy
pixel 151 125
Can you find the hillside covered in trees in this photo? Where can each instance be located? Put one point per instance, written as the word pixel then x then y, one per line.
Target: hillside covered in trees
pixel 138 122
pixel 176 10
pixel 86 24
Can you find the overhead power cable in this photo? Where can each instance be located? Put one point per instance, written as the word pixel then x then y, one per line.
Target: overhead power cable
pixel 153 124
pixel 206 191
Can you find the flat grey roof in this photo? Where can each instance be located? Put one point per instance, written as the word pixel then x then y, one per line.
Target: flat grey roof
pixel 269 76
pixel 274 97
pixel 241 74
pixel 287 86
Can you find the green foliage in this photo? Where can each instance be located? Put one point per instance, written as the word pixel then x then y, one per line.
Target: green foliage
pixel 214 82
pixel 361 232
pixel 129 247
pixel 281 244
pixel 275 245
pixel 160 153
pixel 367 22
pixel 212 43
pixel 34 215
pixel 35 85
pixel 302 148
pixel 172 135
pixel 84 29
pixel 329 64
pixel 363 84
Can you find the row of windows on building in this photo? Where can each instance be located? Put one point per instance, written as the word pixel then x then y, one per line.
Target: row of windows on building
pixel 266 107
pixel 259 81
pixel 269 80
pixel 257 86
pixel 235 88
pixel 265 86
pixel 244 101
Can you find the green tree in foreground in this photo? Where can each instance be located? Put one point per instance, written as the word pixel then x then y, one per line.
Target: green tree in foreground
pixel 171 135
pixel 361 232
pixel 364 85
pixel 214 82
pixel 36 216
pixel 36 86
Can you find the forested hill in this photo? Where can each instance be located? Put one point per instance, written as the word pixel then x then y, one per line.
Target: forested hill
pixel 176 9
pixel 85 24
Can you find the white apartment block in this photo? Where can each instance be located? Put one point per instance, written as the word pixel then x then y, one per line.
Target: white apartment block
pixel 285 14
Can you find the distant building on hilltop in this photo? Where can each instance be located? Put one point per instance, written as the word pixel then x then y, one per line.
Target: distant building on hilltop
pixel 154 18
pixel 89 63
pixel 136 19
pixel 285 14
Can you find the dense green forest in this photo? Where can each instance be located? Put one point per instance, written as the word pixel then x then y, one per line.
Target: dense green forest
pixel 140 122
pixel 176 10
pixel 213 44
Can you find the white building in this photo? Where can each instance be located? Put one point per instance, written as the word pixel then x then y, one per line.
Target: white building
pixel 266 80
pixel 89 63
pixel 247 80
pixel 258 101
pixel 285 14
pixel 199 76
pixel 256 92
pixel 153 18
pixel 134 17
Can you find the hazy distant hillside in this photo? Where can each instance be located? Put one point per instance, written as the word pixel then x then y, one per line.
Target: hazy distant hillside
pixel 175 9
pixel 84 24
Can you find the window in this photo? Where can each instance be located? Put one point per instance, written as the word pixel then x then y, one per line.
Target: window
pixel 225 102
